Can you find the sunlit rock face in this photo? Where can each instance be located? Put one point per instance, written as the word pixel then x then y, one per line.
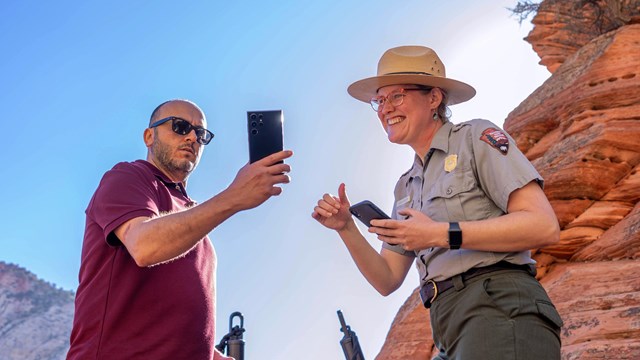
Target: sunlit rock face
pixel 35 316
pixel 561 27
pixel 581 130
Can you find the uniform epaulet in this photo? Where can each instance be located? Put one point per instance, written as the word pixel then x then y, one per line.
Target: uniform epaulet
pixel 457 127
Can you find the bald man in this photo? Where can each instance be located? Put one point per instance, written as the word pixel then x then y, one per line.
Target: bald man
pixel 147 273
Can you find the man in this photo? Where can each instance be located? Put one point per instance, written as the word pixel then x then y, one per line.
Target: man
pixel 467 212
pixel 147 274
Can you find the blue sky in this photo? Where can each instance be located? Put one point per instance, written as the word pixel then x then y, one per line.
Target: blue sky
pixel 80 79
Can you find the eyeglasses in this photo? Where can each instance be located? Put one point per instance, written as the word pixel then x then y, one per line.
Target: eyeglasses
pixel 395 99
pixel 183 127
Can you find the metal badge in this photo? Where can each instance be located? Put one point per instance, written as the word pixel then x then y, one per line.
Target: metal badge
pixel 450 162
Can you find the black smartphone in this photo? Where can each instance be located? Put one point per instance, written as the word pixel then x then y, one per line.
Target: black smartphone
pixel 266 133
pixel 366 211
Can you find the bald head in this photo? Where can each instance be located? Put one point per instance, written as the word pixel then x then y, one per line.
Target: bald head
pixel 166 108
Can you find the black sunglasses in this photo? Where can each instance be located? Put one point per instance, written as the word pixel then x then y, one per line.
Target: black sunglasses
pixel 183 127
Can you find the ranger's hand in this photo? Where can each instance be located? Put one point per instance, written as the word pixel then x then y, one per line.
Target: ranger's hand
pixel 333 212
pixel 417 232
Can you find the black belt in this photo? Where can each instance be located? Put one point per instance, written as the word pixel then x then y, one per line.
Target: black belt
pixel 431 289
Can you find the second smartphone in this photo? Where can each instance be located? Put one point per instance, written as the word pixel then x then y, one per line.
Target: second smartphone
pixel 366 211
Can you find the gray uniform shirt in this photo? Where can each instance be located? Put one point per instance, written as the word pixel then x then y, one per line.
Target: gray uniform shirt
pixel 468 175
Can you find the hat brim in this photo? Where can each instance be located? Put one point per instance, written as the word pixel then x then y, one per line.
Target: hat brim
pixel 366 89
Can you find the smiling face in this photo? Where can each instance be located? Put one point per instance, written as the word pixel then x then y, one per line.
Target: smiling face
pixel 410 123
pixel 174 154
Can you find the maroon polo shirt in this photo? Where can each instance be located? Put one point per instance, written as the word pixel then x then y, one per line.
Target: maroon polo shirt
pixel 123 311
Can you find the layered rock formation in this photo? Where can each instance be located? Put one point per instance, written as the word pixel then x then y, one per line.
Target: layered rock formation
pixel 581 130
pixel 35 317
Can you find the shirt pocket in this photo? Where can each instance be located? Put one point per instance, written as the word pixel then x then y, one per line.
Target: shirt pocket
pixel 447 198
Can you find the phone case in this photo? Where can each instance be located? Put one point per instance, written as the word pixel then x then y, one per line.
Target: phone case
pixel 266 133
pixel 366 211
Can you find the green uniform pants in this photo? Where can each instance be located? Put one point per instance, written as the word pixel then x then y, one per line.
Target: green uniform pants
pixel 504 314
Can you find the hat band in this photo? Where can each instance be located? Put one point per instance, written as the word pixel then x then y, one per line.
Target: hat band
pixel 409 73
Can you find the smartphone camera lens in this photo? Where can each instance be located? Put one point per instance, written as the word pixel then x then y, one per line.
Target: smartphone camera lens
pixel 254 131
pixel 253 116
pixel 260 116
pixel 254 124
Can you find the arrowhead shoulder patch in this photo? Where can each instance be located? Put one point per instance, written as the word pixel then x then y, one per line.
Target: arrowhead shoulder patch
pixel 496 139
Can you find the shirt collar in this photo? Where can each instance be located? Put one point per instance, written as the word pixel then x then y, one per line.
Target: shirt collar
pixel 441 138
pixel 165 180
pixel 159 174
pixel 440 141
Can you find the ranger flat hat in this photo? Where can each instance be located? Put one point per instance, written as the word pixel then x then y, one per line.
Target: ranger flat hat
pixel 417 65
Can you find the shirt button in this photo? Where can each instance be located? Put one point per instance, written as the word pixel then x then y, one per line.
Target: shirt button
pixel 449 191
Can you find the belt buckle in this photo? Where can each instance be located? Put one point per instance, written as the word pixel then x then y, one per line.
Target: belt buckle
pixel 435 290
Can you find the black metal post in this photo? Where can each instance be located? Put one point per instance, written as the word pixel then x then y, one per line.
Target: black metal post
pixel 349 342
pixel 233 341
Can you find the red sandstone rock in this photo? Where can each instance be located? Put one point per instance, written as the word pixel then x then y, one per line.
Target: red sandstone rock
pixel 568 210
pixel 562 27
pixel 410 336
pixel 600 306
pixel 622 241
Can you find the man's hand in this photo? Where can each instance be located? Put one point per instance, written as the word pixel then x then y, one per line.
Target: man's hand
pixel 256 182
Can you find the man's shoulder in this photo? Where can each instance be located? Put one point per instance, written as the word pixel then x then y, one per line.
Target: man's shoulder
pixel 140 165
pixel 121 183
pixel 134 166
pixel 127 169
